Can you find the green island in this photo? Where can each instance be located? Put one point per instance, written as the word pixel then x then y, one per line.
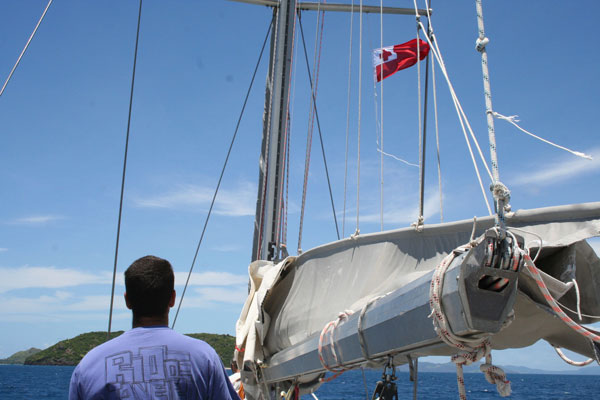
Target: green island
pixel 71 351
pixel 20 356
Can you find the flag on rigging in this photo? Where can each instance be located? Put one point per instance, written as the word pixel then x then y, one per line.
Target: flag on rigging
pixel 391 59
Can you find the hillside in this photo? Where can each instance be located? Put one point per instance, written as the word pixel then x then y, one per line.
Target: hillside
pixel 20 356
pixel 223 344
pixel 71 351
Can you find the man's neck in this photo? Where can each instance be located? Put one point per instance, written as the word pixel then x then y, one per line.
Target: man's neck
pixel 150 321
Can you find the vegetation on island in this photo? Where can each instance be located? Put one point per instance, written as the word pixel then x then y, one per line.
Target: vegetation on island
pixel 71 351
pixel 20 356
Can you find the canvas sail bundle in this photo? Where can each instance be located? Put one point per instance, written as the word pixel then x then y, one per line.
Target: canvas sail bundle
pixel 301 295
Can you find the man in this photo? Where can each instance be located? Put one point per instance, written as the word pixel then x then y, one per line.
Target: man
pixel 151 361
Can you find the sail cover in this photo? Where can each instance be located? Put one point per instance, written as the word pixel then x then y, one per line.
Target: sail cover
pixel 296 298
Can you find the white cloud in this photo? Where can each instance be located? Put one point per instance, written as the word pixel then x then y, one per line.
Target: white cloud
pixel 55 278
pixel 406 215
pixel 58 303
pixel 555 172
pixel 36 220
pixel 240 201
pixel 2 249
pixel 210 278
pixel 46 277
pixel 233 295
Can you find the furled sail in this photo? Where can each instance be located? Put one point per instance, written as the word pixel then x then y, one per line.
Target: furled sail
pixel 291 302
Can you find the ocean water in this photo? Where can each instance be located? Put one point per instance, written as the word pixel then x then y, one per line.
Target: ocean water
pixel 24 382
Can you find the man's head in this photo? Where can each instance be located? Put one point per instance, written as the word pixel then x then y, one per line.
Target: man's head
pixel 149 287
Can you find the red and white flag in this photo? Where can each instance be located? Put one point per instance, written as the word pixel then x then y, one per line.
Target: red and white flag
pixel 389 60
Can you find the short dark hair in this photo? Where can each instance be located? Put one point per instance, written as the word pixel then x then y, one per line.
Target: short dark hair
pixel 149 283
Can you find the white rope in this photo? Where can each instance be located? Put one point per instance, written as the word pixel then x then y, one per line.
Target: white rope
pixel 348 117
pixel 577 294
pixel 464 122
pixel 481 42
pixel 575 312
pixel 513 119
pixel 12 71
pixel 397 158
pixel 569 361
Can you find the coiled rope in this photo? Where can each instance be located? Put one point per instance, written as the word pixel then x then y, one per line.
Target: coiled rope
pixel 470 349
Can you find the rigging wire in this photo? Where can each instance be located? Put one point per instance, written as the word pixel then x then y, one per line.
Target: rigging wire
pixel 348 116
pixel 435 112
pixel 381 100
pixel 223 171
pixel 25 48
pixel 311 119
pixel 112 292
pixel 318 127
pixel 263 183
pixel 360 36
pixel 281 203
pixel 464 122
pixel 422 136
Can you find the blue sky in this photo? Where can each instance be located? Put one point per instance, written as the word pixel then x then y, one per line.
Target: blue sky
pixel 63 119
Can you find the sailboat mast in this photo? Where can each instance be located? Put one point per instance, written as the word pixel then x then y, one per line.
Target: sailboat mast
pixel 266 244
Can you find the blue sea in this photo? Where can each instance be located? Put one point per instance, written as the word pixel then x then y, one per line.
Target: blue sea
pixel 24 382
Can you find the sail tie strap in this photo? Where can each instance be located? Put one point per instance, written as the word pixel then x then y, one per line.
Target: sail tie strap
pixel 470 349
pixel 363 344
pixel 327 337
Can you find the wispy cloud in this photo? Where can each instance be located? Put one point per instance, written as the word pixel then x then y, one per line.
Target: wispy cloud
pixel 560 171
pixel 236 202
pixel 3 249
pixel 210 278
pixel 46 277
pixel 36 220
pixel 60 306
pixel 407 214
pixel 56 278
pixel 233 295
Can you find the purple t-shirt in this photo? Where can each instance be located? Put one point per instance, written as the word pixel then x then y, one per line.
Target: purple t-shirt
pixel 151 363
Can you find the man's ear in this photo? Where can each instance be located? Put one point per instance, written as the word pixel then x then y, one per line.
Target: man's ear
pixel 127 303
pixel 172 301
